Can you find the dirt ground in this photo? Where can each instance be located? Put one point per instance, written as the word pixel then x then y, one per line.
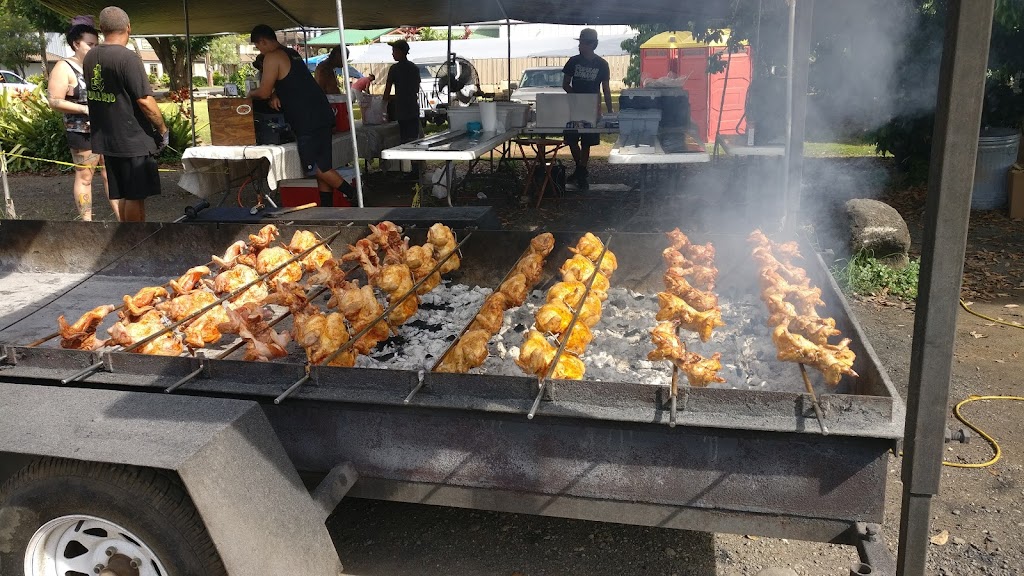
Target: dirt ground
pixel 979 509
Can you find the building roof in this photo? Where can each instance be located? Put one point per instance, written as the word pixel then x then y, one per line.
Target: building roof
pixel 351 37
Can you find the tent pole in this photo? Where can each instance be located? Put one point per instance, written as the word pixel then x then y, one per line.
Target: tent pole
pixel 508 24
pixel 305 43
pixel 348 100
pixel 188 55
pixel 450 61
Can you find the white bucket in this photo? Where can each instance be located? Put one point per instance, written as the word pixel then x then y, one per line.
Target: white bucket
pixel 489 116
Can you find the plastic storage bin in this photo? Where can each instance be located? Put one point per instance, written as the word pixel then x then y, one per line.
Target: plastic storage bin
pixel 638 99
pixel 459 117
pixel 516 114
pixel 639 121
pixel 674 104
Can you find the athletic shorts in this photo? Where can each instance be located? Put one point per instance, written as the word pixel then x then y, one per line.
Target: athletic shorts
pixel 582 139
pixel 78 140
pixel 133 178
pixel 315 149
pixel 409 130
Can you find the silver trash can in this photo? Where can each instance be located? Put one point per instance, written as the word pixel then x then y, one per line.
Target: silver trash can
pixel 997 151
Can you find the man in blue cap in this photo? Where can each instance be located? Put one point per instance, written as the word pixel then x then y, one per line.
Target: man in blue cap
pixel 585 73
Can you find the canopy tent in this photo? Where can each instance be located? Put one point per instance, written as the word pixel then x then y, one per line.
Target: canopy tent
pixel 485 48
pixel 351 37
pixel 206 17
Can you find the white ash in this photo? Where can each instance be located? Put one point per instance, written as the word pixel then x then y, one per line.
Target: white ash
pixel 622 340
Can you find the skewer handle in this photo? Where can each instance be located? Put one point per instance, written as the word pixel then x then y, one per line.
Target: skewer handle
pixel 536 401
pixel 814 401
pixel 419 385
pixel 188 377
pixel 284 395
pixel 85 372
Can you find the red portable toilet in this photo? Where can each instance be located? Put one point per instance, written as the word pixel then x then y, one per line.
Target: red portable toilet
pixel 678 52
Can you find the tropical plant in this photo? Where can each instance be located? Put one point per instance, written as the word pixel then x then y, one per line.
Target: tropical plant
pixel 241 75
pixel 31 133
pixel 179 124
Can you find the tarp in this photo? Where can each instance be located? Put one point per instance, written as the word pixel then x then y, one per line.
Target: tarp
pixel 216 16
pixel 485 48
pixel 351 37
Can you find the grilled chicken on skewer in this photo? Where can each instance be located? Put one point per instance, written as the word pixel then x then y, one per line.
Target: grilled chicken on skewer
pixel 187 282
pixel 542 244
pixel 676 309
pixel 230 257
pixel 270 258
pixel 321 335
pixel 833 360
pixel 142 302
pixel 360 307
pixel 491 314
pixel 536 356
pixel 468 353
pixel 303 240
pixel 263 238
pixel 128 333
pixel 396 280
pixel 676 283
pixel 262 343
pixel 82 334
pixel 444 242
pixel 234 278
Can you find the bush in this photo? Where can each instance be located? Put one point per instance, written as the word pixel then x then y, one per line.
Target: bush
pixel 37 79
pixel 153 79
pixel 240 75
pixel 864 274
pixel 28 127
pixel 179 124
pixel 199 82
pixel 219 79
pixel 165 80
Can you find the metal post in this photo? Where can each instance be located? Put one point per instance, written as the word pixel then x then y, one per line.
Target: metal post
pixel 508 25
pixel 796 106
pixel 947 212
pixel 188 55
pixel 8 202
pixel 348 100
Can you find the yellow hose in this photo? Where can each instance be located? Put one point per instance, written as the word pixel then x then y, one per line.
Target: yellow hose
pixel 989 318
pixel 998 453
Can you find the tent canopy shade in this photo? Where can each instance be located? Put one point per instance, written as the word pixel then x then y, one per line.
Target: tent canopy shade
pixel 484 48
pixel 208 17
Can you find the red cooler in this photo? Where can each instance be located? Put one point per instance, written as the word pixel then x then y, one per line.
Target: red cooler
pixel 303 191
pixel 340 112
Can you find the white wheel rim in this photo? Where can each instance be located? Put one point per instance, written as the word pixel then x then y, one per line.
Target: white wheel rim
pixel 78 544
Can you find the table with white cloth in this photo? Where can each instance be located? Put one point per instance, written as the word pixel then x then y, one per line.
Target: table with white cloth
pixel 218 168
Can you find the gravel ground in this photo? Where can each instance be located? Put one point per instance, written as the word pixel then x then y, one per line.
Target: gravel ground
pixel 979 510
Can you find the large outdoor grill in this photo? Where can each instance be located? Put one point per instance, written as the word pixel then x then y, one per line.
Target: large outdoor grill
pixel 747 456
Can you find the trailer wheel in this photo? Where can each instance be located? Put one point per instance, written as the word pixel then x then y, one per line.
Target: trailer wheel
pixel 66 517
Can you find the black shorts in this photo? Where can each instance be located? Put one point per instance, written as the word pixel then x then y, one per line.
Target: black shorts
pixel 315 149
pixel 409 130
pixel 78 140
pixel 133 178
pixel 582 139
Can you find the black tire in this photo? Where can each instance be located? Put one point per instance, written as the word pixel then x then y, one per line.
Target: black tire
pixel 148 502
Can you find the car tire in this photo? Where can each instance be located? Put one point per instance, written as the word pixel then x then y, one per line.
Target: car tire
pixel 44 507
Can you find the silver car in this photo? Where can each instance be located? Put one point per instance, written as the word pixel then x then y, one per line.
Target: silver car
pixel 547 80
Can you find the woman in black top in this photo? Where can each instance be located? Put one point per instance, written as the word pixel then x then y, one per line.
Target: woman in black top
pixel 66 88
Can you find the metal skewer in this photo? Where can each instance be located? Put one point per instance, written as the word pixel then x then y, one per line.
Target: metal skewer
pixel 203 310
pixel 49 337
pixel 370 325
pixel 675 392
pixel 814 400
pixel 543 383
pixel 440 360
pixel 186 378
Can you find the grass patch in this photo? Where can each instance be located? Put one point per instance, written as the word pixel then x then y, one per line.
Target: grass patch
pixel 866 275
pixel 838 150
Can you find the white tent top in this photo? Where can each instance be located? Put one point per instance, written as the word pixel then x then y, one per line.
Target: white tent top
pixel 483 49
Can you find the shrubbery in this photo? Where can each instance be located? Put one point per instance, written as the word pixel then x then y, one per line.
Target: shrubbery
pixel 199 82
pixel 219 79
pixel 28 127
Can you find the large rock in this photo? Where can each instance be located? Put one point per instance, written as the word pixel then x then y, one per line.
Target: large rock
pixel 878 229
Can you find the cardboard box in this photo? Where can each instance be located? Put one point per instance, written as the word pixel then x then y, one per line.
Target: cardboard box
pixel 1015 191
pixel 232 122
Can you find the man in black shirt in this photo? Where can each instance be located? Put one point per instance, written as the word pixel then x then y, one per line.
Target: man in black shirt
pixel 287 84
pixel 127 126
pixel 586 73
pixel 405 77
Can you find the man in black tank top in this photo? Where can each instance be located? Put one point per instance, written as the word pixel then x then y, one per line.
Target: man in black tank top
pixel 290 88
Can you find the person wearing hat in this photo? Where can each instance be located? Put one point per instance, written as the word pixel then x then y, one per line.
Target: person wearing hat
pixel 585 73
pixel 405 77
pixel 287 84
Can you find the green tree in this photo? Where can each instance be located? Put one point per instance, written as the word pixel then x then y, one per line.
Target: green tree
pixel 18 41
pixel 644 32
pixel 224 49
pixel 171 50
pixel 41 18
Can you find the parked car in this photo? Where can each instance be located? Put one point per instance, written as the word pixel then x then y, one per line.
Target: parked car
pixel 11 81
pixel 546 80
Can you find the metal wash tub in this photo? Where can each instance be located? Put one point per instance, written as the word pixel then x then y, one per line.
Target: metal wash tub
pixel 739 461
